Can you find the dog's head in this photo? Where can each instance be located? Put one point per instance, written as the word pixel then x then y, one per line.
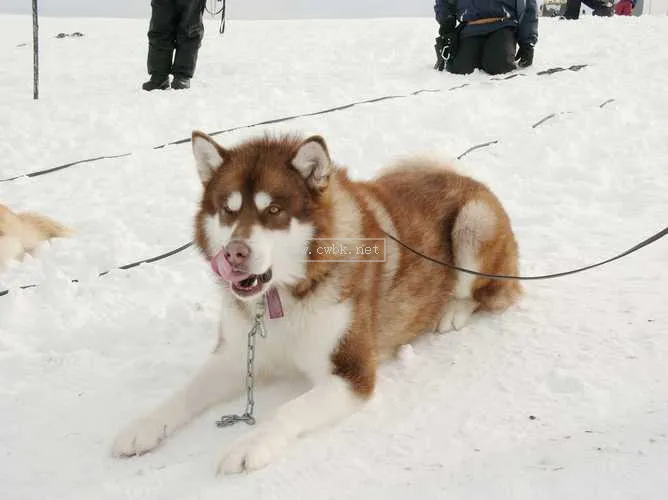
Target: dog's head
pixel 259 208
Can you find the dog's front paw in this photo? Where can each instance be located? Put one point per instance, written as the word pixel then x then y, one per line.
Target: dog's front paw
pixel 139 437
pixel 253 451
pixel 457 315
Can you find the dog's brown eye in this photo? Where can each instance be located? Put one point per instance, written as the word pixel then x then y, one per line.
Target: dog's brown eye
pixel 274 210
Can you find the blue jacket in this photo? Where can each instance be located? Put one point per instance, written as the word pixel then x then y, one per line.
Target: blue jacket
pixel 522 14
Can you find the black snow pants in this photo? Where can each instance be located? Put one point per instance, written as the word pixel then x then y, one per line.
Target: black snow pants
pixel 494 53
pixel 176 26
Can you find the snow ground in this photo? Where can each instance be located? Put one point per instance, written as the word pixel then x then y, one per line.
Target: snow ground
pixel 585 355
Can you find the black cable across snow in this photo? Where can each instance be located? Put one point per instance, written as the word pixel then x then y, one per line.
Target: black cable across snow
pixel 38 173
pixel 469 150
pixel 184 247
pixel 543 120
pixel 477 146
pixel 124 267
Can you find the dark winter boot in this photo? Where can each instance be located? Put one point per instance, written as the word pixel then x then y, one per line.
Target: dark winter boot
pixel 180 82
pixel 156 83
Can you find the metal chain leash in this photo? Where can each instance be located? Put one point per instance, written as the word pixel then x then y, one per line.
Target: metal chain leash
pixel 258 326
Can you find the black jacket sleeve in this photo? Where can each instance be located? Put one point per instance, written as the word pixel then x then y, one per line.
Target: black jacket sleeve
pixel 527 33
pixel 446 15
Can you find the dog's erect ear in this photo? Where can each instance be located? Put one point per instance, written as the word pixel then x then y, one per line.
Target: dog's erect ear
pixel 313 162
pixel 209 156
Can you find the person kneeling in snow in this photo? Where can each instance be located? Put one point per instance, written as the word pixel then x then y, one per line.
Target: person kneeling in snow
pixel 486 35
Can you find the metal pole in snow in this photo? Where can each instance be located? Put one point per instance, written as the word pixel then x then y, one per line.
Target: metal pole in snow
pixel 35 51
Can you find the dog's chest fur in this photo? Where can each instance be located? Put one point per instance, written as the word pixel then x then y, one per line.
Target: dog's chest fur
pixel 302 341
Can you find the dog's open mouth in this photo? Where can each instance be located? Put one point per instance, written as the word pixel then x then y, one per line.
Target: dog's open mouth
pixel 252 285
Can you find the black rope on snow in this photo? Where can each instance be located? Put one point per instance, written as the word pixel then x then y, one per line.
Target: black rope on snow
pixel 124 267
pixel 553 115
pixel 67 165
pixel 543 120
pixel 293 117
pixel 284 119
pixel 426 91
pixel 150 260
pixel 635 248
pixel 574 67
pixel 479 146
pixel 459 87
pixel 510 76
pixel 234 129
pixel 183 247
pixel 534 126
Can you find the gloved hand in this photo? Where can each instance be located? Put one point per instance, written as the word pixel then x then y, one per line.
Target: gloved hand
pixel 524 56
pixel 443 49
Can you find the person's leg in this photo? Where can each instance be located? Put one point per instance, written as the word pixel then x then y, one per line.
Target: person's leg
pixel 604 8
pixel 161 42
pixel 498 53
pixel 188 41
pixel 467 57
pixel 573 9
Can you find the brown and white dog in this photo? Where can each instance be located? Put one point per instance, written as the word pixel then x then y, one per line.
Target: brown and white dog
pixel 270 209
pixel 21 233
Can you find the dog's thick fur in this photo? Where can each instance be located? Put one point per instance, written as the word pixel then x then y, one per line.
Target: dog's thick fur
pixel 281 196
pixel 21 233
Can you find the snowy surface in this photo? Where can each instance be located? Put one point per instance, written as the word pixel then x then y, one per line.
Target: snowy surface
pixel 564 396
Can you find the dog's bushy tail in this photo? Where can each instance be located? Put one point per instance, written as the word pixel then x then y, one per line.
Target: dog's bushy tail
pixel 46 226
pixel 21 233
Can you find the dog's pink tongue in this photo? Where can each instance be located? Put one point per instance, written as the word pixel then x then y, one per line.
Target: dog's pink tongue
pixel 222 267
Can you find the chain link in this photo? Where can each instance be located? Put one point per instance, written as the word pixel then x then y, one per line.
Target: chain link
pixel 258 326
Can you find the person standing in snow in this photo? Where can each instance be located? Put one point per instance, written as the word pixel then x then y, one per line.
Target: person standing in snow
pixel 486 36
pixel 603 8
pixel 175 32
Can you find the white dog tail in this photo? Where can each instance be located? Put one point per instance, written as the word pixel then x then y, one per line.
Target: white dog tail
pixel 46 227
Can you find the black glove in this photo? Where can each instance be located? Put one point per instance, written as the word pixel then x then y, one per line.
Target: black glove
pixel 443 49
pixel 524 56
